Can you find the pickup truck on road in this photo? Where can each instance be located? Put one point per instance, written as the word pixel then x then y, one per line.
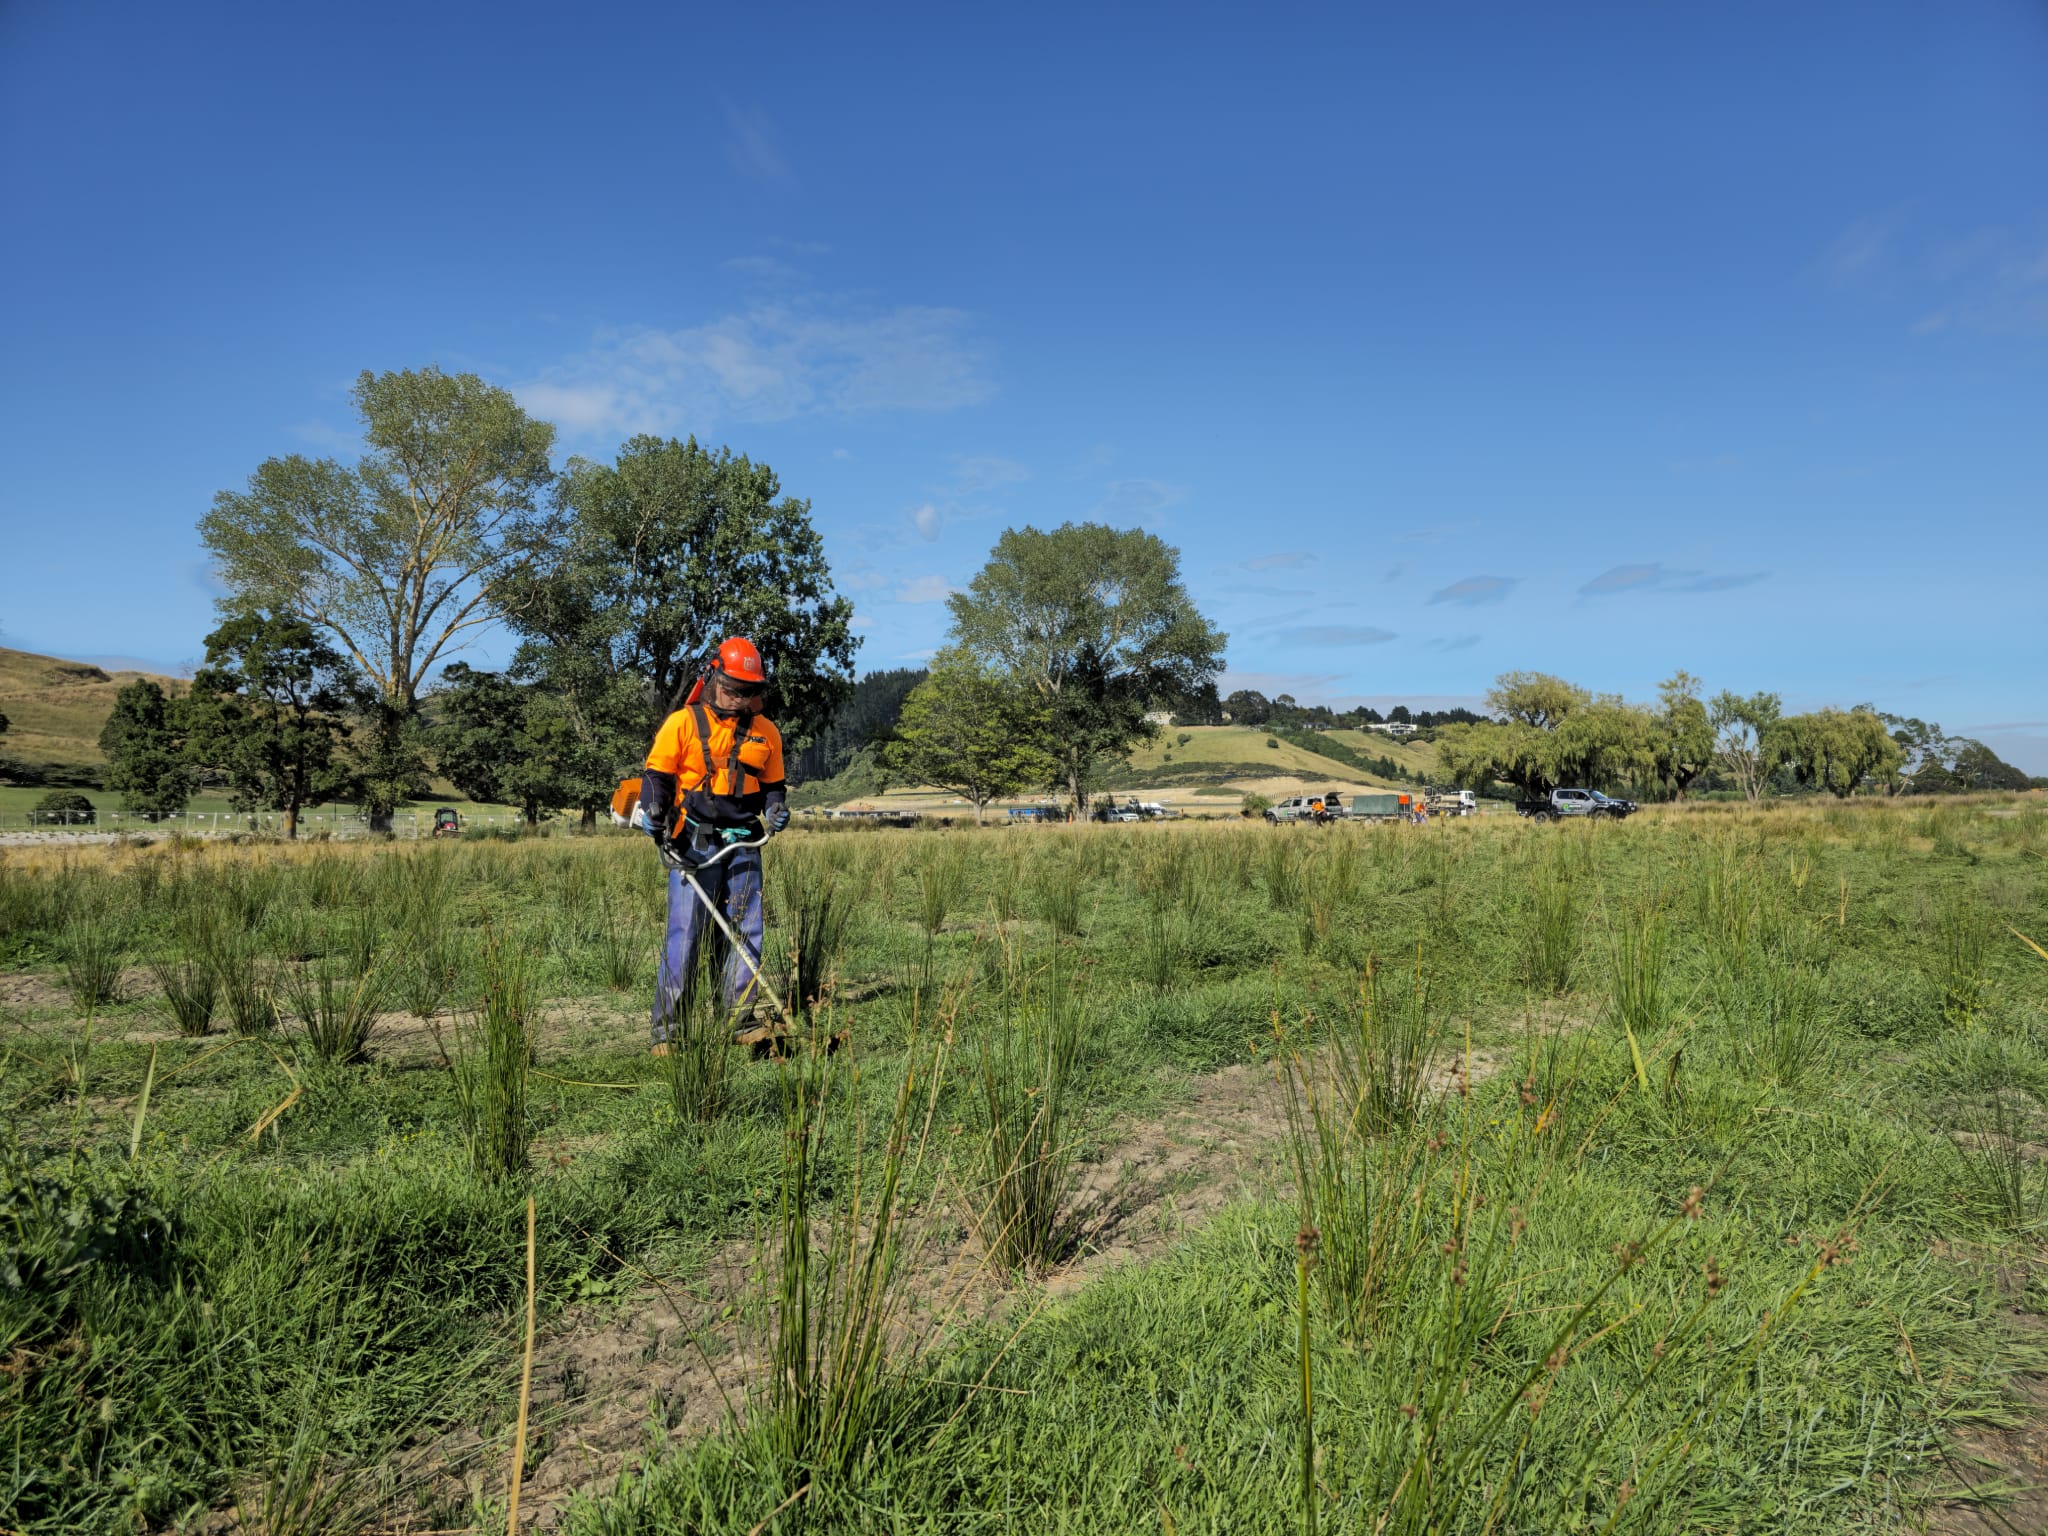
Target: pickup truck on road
pixel 1574 802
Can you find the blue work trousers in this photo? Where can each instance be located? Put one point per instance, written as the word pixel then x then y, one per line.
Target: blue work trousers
pixel 734 882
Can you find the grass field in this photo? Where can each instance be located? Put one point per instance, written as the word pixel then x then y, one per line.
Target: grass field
pixel 1675 1175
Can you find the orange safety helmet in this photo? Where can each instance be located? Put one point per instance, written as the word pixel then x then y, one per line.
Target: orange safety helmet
pixel 739 662
pixel 736 663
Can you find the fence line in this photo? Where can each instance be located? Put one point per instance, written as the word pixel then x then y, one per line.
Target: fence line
pixel 340 824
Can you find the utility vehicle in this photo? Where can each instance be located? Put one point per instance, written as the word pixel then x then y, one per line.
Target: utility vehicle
pixel 1561 803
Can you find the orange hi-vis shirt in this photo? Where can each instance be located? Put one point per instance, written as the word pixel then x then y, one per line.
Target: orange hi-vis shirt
pixel 724 774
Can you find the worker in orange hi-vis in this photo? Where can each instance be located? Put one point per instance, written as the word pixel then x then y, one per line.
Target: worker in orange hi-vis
pixel 714 778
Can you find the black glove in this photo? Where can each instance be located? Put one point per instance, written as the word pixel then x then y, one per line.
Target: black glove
pixel 657 805
pixel 776 814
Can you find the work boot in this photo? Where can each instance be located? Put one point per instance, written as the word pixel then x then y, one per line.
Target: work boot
pixel 660 1048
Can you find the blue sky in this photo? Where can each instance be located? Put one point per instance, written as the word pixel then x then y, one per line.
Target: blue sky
pixel 1441 340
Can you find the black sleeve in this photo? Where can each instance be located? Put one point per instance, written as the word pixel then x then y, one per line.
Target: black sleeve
pixel 658 802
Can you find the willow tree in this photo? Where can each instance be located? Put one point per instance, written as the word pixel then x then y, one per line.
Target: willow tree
pixel 1549 733
pixel 1838 750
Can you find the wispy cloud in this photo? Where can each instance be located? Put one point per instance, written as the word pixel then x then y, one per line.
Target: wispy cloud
pixel 770 270
pixel 1711 464
pixel 1137 500
pixel 1286 560
pixel 1864 247
pixel 1334 634
pixel 769 363
pixel 1475 590
pixel 1454 642
pixel 1440 532
pixel 1290 616
pixel 322 435
pixel 1998 286
pixel 925 589
pixel 1656 577
pixel 1255 589
pixel 750 147
pixel 962 496
pixel 1991 281
pixel 1396 571
pixel 1302 685
pixel 978 474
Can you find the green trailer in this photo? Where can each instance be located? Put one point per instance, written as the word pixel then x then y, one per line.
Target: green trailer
pixel 1382 806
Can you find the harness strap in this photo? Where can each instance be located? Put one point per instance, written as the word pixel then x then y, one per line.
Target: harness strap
pixel 735 773
pixel 702 721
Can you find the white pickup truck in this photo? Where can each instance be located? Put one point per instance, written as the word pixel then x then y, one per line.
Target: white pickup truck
pixel 1561 803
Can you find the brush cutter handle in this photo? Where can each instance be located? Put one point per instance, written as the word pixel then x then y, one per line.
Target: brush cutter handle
pixel 675 860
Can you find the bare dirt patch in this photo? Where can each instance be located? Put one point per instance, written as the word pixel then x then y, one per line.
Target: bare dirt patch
pixel 2005 1470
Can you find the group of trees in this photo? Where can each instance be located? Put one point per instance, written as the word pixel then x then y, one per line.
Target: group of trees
pixel 353 586
pixel 1247 706
pixel 268 718
pixel 1547 732
pixel 615 579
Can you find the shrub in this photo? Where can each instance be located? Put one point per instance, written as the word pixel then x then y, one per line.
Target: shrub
pixel 65 805
pixel 191 989
pixel 490 1076
pixel 1550 934
pixel 337 1005
pixel 1027 1154
pixel 813 911
pixel 93 952
pixel 699 1061
pixel 1254 804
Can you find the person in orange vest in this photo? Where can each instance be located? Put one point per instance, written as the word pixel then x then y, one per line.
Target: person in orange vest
pixel 714 776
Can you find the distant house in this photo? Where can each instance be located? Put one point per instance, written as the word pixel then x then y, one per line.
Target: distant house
pixel 1159 717
pixel 1392 727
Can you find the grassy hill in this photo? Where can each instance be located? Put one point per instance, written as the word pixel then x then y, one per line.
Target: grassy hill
pixel 1417 758
pixel 1216 754
pixel 1213 766
pixel 55 709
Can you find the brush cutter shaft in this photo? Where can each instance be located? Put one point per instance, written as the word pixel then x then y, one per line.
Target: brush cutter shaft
pixel 688 872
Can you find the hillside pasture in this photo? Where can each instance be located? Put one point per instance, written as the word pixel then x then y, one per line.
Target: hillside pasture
pixel 55 709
